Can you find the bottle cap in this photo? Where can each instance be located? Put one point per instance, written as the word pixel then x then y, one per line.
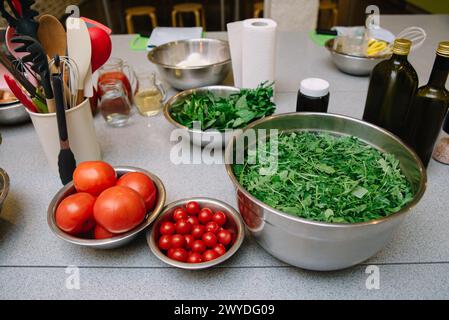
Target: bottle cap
pixel 402 47
pixel 443 49
pixel 314 87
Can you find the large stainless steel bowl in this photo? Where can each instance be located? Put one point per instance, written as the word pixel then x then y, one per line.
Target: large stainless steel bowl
pixel 354 65
pixel 211 138
pixel 13 114
pixel 119 240
pixel 166 57
pixel 323 246
pixel 234 223
pixel 4 186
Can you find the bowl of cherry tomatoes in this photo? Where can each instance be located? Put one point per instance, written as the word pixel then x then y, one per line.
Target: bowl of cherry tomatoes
pixel 106 207
pixel 196 233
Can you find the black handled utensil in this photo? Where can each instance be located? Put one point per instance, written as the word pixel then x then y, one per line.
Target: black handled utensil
pixel 66 158
pixel 23 22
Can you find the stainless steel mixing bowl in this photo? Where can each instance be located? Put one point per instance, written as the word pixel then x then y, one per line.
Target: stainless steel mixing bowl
pixel 323 246
pixel 200 138
pixel 167 57
pixel 13 114
pixel 354 65
pixel 119 240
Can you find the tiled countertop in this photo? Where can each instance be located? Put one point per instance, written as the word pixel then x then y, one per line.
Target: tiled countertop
pixel 33 261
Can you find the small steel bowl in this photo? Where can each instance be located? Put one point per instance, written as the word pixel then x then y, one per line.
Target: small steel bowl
pixel 166 58
pixel 317 245
pixel 12 114
pixel 119 240
pixel 212 138
pixel 4 186
pixel 234 222
pixel 354 65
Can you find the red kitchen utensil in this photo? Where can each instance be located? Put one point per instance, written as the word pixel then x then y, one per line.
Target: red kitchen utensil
pixel 18 6
pixel 101 47
pixel 92 23
pixel 17 91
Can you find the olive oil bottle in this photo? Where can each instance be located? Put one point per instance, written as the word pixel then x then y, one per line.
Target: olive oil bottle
pixel 429 108
pixel 392 86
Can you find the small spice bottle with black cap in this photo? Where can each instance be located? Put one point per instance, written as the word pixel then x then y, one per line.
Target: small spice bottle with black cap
pixel 441 152
pixel 313 95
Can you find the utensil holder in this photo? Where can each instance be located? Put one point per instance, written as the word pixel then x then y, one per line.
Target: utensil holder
pixel 81 131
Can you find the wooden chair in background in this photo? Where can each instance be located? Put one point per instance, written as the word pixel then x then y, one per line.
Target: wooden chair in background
pixel 332 6
pixel 196 9
pixel 258 9
pixel 140 11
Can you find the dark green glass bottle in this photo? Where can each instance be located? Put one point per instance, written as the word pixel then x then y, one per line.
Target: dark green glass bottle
pixel 429 108
pixel 392 86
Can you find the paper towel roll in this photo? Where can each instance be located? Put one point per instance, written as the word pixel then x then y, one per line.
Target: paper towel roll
pixel 258 52
pixel 253 50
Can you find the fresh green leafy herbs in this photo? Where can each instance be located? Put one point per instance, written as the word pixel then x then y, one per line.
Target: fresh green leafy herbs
pixel 233 112
pixel 328 178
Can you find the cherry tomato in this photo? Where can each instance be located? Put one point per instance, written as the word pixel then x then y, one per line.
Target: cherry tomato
pixel 183 226
pixel 170 252
pixel 119 209
pixel 198 246
pixel 209 239
pixel 212 226
pixel 94 177
pixel 189 240
pixel 143 185
pixel 205 215
pixel 165 242
pixel 210 255
pixel 195 258
pixel 193 208
pixel 178 241
pixel 74 214
pixel 101 233
pixel 179 254
pixel 198 231
pixel 180 214
pixel 220 218
pixel 220 249
pixel 224 237
pixel 193 220
pixel 167 228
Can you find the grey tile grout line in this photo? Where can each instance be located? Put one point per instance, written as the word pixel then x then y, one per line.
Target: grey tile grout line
pixel 219 267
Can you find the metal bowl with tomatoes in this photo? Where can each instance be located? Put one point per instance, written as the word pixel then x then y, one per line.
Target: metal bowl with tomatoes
pixel 196 234
pixel 103 207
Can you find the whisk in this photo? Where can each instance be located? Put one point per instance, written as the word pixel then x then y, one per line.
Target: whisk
pixel 70 74
pixel 416 35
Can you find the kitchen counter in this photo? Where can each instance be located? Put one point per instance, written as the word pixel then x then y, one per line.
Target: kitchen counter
pixel 33 262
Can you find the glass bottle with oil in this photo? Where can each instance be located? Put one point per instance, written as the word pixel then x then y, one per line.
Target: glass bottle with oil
pixel 429 108
pixel 392 87
pixel 150 95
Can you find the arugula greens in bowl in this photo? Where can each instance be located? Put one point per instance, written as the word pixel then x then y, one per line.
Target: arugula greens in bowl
pixel 213 110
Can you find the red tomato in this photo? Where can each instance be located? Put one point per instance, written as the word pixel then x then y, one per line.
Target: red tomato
pixel 193 208
pixel 205 215
pixel 212 226
pixel 102 233
pixel 178 241
pixel 189 241
pixel 165 242
pixel 183 226
pixel 224 237
pixel 209 239
pixel 220 218
pixel 167 228
pixel 198 231
pixel 144 186
pixel 193 220
pixel 94 177
pixel 179 254
pixel 179 214
pixel 170 252
pixel 119 209
pixel 195 258
pixel 198 246
pixel 74 214
pixel 220 249
pixel 210 255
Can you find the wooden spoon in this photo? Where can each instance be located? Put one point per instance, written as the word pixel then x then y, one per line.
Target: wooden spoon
pixel 52 36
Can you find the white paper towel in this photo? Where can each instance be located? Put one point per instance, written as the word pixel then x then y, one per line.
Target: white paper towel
pixel 253 51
